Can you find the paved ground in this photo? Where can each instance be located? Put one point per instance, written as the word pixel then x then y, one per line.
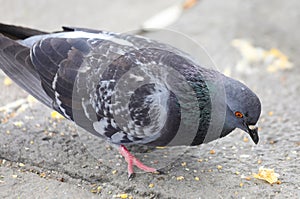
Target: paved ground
pixel 46 158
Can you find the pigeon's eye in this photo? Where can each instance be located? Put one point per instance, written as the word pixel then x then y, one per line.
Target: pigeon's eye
pixel 238 114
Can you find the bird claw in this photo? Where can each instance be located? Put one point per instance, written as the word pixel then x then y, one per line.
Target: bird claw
pixel 133 161
pixel 159 172
pixel 131 176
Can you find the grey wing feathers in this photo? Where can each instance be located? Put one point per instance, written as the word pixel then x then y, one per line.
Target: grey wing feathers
pixel 15 62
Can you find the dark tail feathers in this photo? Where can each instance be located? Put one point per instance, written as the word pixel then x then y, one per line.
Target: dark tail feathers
pixel 18 32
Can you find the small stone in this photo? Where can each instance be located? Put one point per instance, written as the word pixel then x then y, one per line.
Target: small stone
pixel 151 185
pixel 114 172
pixel 246 139
pixel 99 188
pixel 21 164
pixel 7 81
pixel 259 161
pixel 18 124
pixel 123 196
pixel 248 178
pixel 43 175
pixel 179 178
pixel 56 115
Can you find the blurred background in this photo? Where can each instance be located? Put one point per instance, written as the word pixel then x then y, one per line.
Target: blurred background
pixel 254 41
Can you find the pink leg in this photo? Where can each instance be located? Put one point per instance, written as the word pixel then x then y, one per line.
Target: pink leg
pixel 133 161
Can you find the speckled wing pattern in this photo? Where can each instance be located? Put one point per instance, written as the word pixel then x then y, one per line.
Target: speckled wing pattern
pixel 91 78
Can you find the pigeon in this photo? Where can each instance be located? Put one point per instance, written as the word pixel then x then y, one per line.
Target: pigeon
pixel 127 89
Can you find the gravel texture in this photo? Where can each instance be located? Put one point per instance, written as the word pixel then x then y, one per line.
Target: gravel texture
pixel 43 157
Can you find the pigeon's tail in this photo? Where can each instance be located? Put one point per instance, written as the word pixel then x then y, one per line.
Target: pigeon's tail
pixel 16 63
pixel 18 32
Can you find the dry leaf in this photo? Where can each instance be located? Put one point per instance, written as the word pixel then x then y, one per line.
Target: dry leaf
pixel 267 174
pixel 273 60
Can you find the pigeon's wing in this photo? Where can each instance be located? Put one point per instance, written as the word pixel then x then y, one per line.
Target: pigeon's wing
pixel 81 72
pixel 60 60
pixel 69 69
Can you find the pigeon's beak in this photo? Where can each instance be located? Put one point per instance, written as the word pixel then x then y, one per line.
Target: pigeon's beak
pixel 252 130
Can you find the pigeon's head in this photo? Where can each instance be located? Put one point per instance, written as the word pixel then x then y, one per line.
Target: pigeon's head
pixel 243 109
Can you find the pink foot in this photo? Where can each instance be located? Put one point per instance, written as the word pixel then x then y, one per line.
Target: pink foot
pixel 133 161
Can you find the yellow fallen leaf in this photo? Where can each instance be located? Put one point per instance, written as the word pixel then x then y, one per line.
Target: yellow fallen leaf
pixel 273 59
pixel 250 53
pixel 267 174
pixel 276 53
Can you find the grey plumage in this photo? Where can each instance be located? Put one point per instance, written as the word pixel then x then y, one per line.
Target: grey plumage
pixel 125 88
